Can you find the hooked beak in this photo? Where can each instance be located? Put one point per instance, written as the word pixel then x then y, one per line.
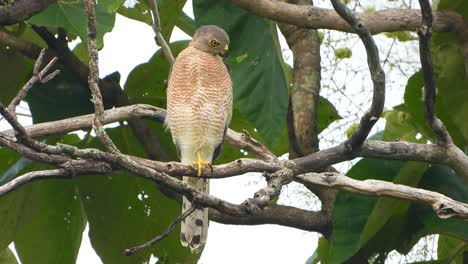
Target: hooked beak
pixel 225 53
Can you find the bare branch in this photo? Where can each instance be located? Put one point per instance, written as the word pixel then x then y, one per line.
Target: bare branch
pixel 160 41
pixel 444 206
pixel 21 10
pixel 377 74
pixel 425 33
pixel 67 172
pixel 93 80
pixel 390 20
pixel 38 75
pixel 180 218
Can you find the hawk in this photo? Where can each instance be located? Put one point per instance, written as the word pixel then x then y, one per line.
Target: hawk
pixel 199 109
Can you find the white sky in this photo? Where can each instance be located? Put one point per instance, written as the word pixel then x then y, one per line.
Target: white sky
pixel 132 43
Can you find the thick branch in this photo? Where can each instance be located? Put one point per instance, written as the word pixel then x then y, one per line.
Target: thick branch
pixel 242 140
pixel 279 215
pixel 390 20
pixel 21 10
pixel 444 206
pixel 303 106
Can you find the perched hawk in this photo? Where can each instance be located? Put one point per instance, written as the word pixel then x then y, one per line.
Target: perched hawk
pixel 199 109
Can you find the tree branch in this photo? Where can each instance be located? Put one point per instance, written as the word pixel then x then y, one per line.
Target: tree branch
pixel 38 75
pixel 93 79
pixel 160 41
pixel 425 33
pixel 180 218
pixel 21 10
pixel 444 206
pixel 377 74
pixel 389 20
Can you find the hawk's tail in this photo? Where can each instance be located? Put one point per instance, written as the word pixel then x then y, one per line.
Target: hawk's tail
pixel 194 228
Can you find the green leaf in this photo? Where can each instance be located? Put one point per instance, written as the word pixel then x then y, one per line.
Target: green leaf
pixel 52 221
pixel 451 249
pixel 186 24
pixel 124 210
pixel 62 97
pixel 169 12
pixel 53 231
pixel 15 68
pixel 401 35
pixel 343 53
pixel 154 74
pixel 451 82
pixel 327 114
pixel 71 15
pixel 260 86
pixel 321 253
pixel 385 208
pixel 398 126
pixel 12 204
pixel 7 257
pixel 137 10
pixel 373 226
pixel 351 211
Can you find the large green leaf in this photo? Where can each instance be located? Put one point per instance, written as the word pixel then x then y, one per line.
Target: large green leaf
pixel 52 220
pixel 147 82
pixel 386 208
pixel 71 15
pixel 7 257
pixel 12 204
pixel 260 87
pixel 351 211
pixel 14 72
pixel 124 210
pixel 451 249
pixel 53 232
pixel 169 11
pixel 378 225
pixel 62 97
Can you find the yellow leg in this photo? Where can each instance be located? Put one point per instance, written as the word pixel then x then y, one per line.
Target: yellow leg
pixel 200 163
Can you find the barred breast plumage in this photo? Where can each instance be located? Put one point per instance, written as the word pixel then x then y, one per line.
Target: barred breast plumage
pixel 199 109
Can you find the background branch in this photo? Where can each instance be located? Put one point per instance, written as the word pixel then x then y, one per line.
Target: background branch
pixel 444 206
pixel 93 78
pixel 160 41
pixel 21 10
pixel 371 116
pixel 390 20
pixel 425 32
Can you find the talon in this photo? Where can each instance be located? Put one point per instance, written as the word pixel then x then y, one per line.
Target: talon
pixel 200 163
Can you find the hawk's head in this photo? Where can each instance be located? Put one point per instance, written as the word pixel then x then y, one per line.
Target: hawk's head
pixel 211 39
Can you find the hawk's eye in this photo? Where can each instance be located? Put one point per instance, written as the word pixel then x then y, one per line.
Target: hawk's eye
pixel 214 43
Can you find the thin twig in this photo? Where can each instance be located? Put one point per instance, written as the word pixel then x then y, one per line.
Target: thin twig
pixel 159 38
pixel 425 33
pixel 38 75
pixel 93 80
pixel 180 218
